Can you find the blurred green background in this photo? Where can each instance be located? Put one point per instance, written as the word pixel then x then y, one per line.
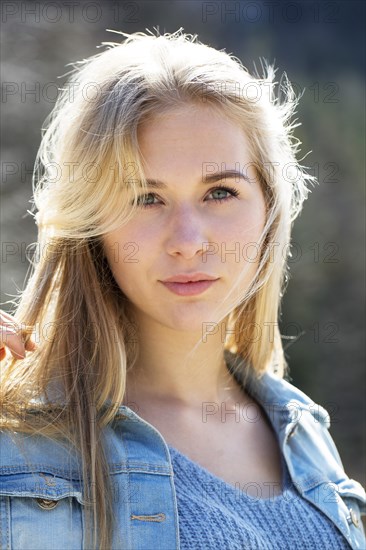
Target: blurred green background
pixel 320 45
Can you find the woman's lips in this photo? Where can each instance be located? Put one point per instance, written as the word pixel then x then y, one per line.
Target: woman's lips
pixel 189 289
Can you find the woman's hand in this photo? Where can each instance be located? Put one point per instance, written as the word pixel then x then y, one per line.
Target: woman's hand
pixel 12 337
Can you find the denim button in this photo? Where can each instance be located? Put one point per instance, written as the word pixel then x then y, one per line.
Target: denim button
pixel 46 504
pixel 352 518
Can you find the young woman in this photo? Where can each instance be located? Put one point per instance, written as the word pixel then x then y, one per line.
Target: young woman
pixel 152 410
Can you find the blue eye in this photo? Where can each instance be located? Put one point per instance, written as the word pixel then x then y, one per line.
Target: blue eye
pixel 233 193
pixel 143 203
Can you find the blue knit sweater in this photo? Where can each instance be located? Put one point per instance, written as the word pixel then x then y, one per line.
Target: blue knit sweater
pixel 215 515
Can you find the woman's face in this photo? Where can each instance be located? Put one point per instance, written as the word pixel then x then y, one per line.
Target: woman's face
pixel 184 227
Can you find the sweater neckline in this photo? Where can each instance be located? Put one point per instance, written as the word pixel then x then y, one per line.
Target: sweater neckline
pixel 285 487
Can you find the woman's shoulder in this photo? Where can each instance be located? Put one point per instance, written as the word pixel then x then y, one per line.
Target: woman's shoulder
pixel 302 427
pixel 284 401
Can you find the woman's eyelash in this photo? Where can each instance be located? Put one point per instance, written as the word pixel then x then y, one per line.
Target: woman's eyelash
pixel 234 193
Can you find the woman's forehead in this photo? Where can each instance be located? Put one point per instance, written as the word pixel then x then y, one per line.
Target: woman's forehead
pixel 193 137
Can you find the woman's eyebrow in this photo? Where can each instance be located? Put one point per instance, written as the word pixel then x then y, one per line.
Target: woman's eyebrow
pixel 209 178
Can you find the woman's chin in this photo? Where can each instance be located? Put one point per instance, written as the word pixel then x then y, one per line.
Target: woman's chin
pixel 203 319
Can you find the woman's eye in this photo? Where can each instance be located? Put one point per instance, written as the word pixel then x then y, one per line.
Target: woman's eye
pixel 142 202
pixel 145 203
pixel 233 193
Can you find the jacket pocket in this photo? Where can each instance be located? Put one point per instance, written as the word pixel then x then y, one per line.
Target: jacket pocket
pixel 40 511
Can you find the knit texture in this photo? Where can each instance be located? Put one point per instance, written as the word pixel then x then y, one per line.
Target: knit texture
pixel 216 515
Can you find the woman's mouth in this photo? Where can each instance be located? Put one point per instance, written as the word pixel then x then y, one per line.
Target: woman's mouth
pixel 190 288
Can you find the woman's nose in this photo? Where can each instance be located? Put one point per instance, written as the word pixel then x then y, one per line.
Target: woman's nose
pixel 188 233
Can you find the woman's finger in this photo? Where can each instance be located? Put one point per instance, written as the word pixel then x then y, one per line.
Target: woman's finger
pixel 13 336
pixel 6 314
pixel 12 340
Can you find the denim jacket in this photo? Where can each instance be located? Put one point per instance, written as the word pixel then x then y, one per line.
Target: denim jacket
pixel 41 500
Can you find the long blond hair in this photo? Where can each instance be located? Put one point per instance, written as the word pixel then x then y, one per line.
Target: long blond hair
pixel 87 161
